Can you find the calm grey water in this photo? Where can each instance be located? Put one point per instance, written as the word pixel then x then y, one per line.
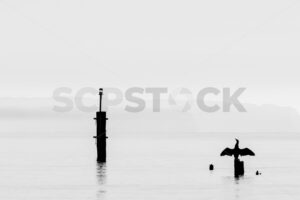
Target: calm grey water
pixel 149 167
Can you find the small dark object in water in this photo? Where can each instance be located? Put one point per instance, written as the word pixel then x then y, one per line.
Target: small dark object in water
pixel 257 173
pixel 211 167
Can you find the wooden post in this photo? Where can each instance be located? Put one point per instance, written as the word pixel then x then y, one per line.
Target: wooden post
pixel 238 168
pixel 242 169
pixel 101 132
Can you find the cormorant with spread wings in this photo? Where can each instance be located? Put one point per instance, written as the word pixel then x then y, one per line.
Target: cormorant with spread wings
pixel 236 152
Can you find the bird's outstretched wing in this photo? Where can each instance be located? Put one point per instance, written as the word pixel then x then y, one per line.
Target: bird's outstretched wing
pixel 227 152
pixel 246 152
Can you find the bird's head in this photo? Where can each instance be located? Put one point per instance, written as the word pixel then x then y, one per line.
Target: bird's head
pixel 237 142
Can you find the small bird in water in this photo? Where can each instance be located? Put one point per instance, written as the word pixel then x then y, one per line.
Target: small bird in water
pixel 236 152
pixel 258 173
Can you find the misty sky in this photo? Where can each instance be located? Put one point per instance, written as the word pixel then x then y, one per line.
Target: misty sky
pixel 191 43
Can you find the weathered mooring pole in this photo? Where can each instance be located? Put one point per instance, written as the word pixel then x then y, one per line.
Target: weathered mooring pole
pixel 238 168
pixel 101 131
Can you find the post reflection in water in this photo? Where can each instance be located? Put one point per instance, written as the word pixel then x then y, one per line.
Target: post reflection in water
pixel 101 178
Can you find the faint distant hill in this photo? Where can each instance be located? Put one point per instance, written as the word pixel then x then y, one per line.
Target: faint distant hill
pixel 35 116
